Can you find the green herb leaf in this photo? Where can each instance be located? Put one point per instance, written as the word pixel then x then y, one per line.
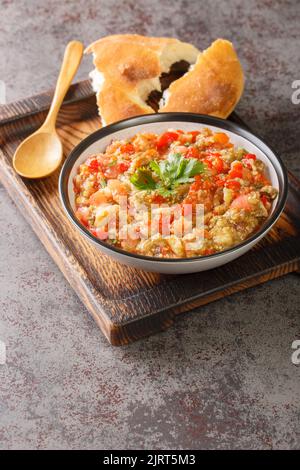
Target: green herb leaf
pixel 177 170
pixel 165 192
pixel 194 167
pixel 142 179
pixel 155 167
pixel 182 180
pixel 172 171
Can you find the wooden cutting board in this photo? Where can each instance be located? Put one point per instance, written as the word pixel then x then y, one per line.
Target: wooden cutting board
pixel 127 304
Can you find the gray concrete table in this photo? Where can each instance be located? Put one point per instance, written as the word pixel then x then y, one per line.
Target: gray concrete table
pixel 223 376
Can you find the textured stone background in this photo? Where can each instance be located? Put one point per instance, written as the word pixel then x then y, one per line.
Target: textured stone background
pixel 222 377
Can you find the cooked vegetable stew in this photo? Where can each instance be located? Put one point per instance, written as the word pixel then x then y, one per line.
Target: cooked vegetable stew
pixel 158 181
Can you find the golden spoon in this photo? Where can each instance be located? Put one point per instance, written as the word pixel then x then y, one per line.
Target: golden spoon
pixel 41 153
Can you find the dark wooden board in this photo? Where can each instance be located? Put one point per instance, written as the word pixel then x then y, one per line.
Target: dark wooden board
pixel 127 304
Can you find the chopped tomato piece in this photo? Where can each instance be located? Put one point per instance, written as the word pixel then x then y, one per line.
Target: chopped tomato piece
pixel 220 182
pixel 82 214
pixel 207 185
pixel 200 183
pixel 99 233
pixel 241 202
pixel 123 166
pixel 246 160
pixel 76 188
pixel 166 139
pixel 236 171
pixel 218 164
pixel 209 251
pixel 264 200
pixel 194 135
pixel 191 198
pixel 247 164
pixel 214 154
pixel 127 148
pixel 235 185
pixel 112 171
pixel 93 164
pixel 208 162
pixel 196 185
pixel 206 233
pixel 193 152
pixel 221 138
pixel 158 199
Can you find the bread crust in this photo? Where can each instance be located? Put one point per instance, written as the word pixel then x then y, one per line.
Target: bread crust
pixel 131 66
pixel 114 105
pixel 213 86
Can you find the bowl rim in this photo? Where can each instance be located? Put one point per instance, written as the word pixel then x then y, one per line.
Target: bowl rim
pixel 110 129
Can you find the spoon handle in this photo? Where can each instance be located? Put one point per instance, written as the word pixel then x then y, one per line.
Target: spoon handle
pixel 71 61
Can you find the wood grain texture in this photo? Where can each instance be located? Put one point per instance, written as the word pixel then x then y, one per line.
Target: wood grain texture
pixel 127 304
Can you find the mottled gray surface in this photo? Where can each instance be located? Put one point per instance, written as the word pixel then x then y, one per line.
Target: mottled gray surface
pixel 222 377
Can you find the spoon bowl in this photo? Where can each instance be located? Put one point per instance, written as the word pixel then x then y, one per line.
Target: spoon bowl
pixel 41 153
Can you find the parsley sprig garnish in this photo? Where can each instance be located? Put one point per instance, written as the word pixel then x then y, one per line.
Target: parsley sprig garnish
pixel 142 179
pixel 172 171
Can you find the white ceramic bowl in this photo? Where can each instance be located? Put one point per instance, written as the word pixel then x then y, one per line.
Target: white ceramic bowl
pixel 158 123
